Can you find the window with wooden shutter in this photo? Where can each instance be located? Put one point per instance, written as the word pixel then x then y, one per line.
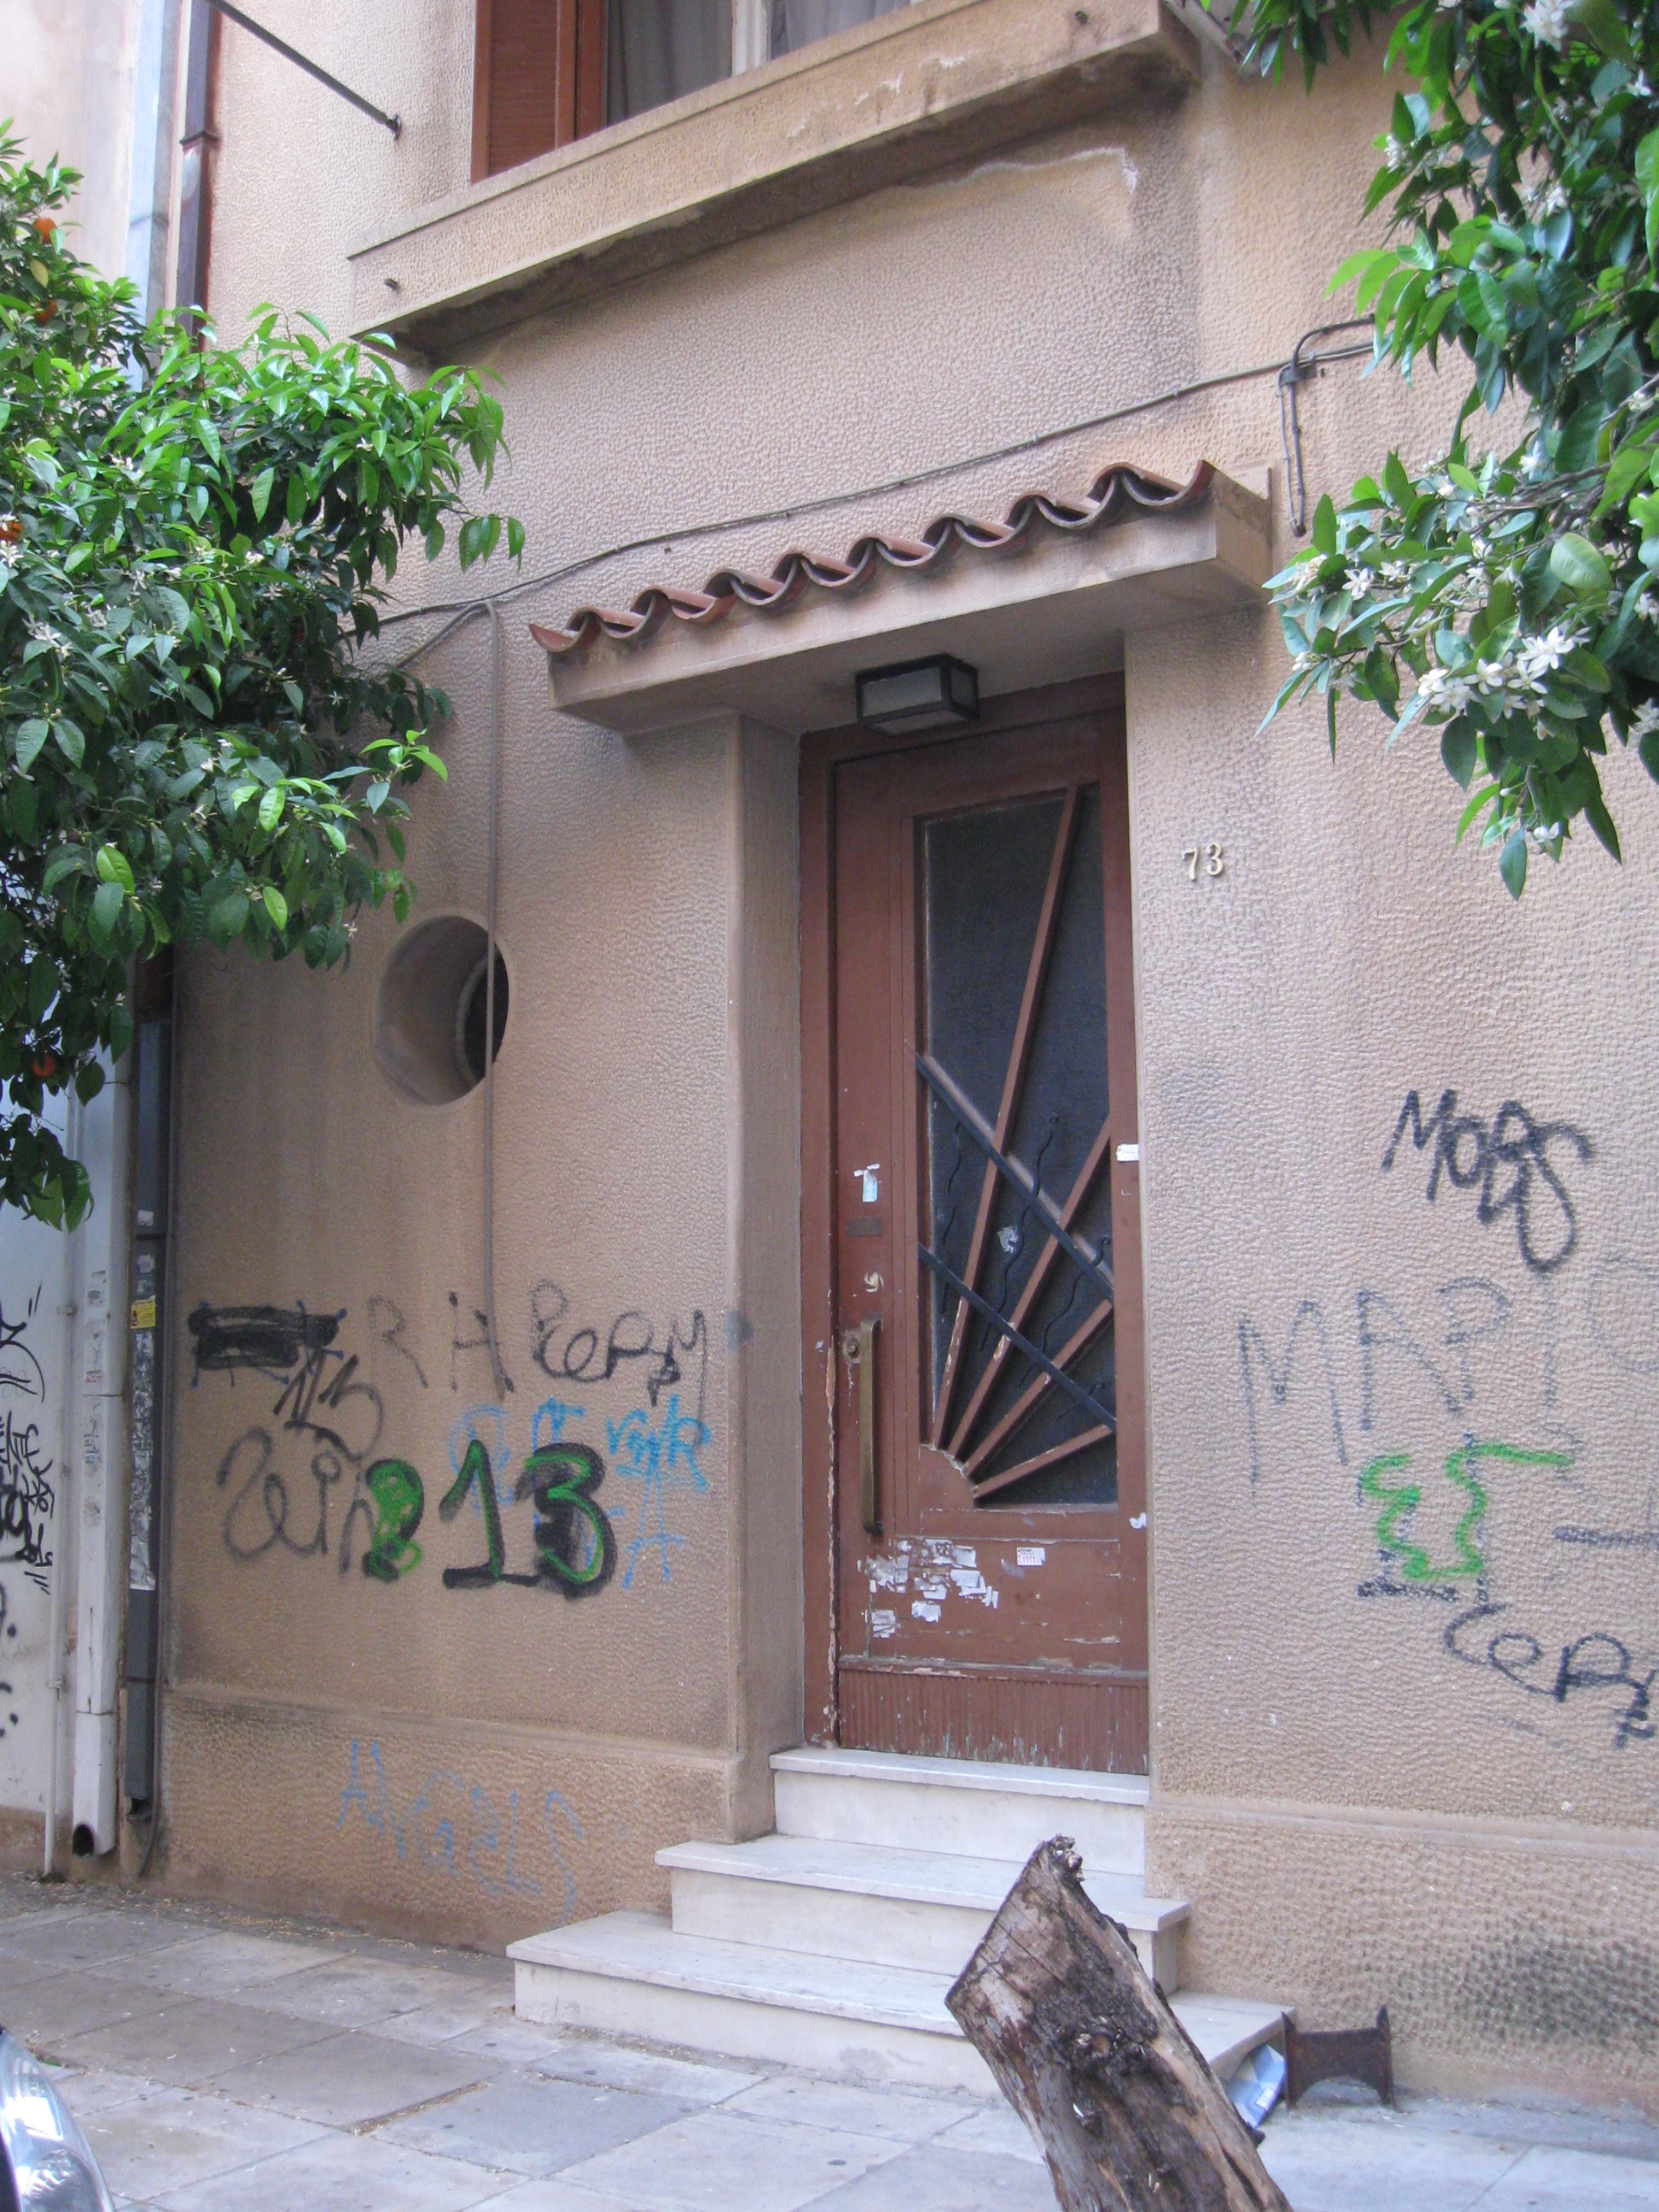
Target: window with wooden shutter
pixel 538 79
pixel 547 71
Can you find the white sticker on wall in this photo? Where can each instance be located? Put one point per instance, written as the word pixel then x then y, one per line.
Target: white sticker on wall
pixel 1031 1555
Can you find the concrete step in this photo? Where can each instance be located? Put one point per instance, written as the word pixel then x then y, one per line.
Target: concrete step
pixel 885 1906
pixel 629 1973
pixel 964 1807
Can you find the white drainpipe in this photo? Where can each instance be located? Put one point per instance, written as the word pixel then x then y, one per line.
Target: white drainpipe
pixel 102 1333
pixel 58 1628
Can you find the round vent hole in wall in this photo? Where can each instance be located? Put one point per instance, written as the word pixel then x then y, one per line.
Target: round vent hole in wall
pixel 430 1010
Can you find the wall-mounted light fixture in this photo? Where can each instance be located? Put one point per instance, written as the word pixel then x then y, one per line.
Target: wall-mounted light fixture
pixel 918 695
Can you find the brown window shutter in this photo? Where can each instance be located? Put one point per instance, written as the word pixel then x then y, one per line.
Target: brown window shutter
pixel 538 79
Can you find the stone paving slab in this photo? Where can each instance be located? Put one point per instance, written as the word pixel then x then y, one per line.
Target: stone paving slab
pixel 349 2080
pixel 532 2126
pixel 715 2160
pixel 223 2063
pixel 188 2041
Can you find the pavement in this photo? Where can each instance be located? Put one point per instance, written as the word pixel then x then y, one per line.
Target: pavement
pixel 221 2062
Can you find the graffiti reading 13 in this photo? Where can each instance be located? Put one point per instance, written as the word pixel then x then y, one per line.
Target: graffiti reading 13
pixel 320 1395
pixel 1509 1163
pixel 576 1550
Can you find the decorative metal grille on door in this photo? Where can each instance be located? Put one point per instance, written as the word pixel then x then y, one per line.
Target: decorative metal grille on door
pixel 1018 1144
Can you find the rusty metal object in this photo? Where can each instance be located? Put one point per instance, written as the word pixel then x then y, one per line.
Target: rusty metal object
pixel 1116 493
pixel 1349 2054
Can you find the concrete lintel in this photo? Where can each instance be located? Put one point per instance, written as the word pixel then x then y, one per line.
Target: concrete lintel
pixel 1057 608
pixel 938 82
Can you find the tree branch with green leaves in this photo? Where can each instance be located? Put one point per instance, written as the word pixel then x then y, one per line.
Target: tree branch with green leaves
pixel 195 543
pixel 1508 600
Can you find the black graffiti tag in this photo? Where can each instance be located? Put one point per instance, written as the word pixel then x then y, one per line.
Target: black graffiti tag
pixel 632 1338
pixel 1509 1162
pixel 1597 1660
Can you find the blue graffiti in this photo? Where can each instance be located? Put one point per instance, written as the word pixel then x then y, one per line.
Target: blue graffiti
pixel 485 1425
pixel 450 1826
pixel 660 1457
pixel 548 1421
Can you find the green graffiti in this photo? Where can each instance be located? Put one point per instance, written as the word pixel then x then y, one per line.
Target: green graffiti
pixel 399 1501
pixel 1401 1499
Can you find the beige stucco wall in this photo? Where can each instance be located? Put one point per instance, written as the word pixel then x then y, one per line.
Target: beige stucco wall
pixel 70 67
pixel 1359 1813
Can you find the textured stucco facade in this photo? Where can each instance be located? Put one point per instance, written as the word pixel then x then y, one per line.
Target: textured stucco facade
pixel 1379 1775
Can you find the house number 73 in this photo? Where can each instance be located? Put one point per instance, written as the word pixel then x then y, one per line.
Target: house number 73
pixel 1211 858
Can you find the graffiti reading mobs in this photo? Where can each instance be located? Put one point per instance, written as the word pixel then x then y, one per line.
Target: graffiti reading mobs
pixel 1509 1161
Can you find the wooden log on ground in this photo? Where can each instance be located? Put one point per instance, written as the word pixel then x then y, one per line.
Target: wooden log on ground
pixel 1085 2048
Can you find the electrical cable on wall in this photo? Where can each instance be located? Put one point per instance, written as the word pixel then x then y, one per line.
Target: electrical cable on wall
pixel 470 613
pixel 1301 368
pixel 463 610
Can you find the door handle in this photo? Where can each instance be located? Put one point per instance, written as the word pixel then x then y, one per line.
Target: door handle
pixel 859 1348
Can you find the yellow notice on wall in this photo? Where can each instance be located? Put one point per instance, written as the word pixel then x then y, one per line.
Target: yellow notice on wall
pixel 143 1313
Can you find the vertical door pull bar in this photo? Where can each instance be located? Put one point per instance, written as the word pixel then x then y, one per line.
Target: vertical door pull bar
pixel 858 1349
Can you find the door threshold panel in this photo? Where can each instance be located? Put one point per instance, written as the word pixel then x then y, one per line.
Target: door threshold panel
pixel 925 1772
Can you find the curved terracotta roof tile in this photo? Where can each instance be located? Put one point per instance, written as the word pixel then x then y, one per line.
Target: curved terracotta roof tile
pixel 1115 493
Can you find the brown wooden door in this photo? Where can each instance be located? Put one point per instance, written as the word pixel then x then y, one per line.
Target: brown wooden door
pixel 989 1539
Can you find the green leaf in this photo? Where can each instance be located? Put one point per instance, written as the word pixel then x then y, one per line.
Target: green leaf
pixel 1647 177
pixel 106 904
pixel 271 808
pixel 1576 450
pixel 1580 566
pixel 1486 797
pixel 1324 525
pixel 1512 863
pixel 1598 22
pixel 1457 750
pixel 66 735
pixel 1597 814
pixel 67 861
pixel 31 736
pixel 1629 467
pixel 113 867
pixel 228 918
pixel 276 905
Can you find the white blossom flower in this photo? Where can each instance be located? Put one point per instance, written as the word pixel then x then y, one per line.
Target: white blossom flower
pixel 1646 720
pixel 1538 655
pixel 1549 21
pixel 1441 691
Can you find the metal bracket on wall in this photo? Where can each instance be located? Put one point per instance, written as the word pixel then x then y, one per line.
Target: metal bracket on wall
pixel 394 123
